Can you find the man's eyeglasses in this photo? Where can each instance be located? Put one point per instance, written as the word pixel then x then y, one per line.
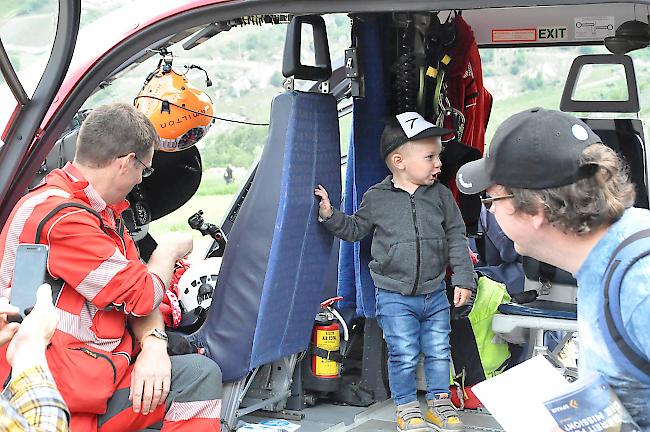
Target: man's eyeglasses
pixel 488 200
pixel 147 171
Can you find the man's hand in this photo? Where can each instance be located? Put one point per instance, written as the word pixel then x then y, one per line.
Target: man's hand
pixel 171 249
pixel 27 348
pixel 151 376
pixel 461 296
pixel 325 207
pixel 177 245
pixel 7 330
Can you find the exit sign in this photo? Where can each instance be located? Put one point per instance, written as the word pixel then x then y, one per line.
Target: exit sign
pixel 551 33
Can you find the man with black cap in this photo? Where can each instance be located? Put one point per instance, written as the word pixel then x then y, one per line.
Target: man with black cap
pixel 417 232
pixel 564 198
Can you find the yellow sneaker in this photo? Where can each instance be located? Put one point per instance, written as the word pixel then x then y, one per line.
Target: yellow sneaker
pixel 442 415
pixel 409 418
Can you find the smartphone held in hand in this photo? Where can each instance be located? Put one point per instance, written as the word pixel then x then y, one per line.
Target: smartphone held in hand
pixel 29 274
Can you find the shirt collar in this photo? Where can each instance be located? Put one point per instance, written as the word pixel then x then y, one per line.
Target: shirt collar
pixel 392 186
pixel 84 190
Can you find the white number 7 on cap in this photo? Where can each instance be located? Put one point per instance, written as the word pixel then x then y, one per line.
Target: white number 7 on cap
pixel 412 123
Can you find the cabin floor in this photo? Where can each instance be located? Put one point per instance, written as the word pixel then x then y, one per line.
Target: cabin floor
pixel 378 417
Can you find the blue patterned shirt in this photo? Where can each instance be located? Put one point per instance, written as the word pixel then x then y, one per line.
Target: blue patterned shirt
pixel 635 308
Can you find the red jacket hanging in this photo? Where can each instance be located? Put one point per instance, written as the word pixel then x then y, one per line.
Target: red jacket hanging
pixel 466 93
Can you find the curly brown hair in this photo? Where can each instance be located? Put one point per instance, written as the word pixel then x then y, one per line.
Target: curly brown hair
pixel 588 203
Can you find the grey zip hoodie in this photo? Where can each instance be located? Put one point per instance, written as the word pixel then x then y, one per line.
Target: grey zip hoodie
pixel 414 238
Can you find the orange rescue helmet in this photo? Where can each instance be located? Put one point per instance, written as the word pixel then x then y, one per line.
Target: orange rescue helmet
pixel 181 113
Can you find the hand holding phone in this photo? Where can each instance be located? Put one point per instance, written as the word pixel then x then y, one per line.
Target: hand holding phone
pixel 7 330
pixel 28 344
pixel 29 274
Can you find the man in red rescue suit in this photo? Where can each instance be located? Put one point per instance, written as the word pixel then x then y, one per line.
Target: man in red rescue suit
pixel 109 355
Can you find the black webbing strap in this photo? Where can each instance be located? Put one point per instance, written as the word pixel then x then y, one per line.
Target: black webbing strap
pixel 631 239
pixel 327 355
pixel 60 207
pixel 57 284
pixel 640 362
pixel 546 272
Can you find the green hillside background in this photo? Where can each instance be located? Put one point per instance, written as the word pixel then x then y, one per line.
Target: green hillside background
pixel 244 66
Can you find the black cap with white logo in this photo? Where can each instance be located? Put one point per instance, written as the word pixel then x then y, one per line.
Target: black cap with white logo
pixel 404 127
pixel 534 149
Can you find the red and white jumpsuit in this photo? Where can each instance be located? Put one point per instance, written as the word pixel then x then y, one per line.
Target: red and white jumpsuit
pixel 92 351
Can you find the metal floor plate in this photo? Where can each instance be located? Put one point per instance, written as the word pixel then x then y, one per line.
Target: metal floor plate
pixel 375 426
pixel 379 417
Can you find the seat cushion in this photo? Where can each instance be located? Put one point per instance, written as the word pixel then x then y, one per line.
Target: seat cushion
pixel 271 278
pixel 541 308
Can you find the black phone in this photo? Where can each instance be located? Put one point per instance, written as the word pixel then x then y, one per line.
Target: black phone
pixel 29 274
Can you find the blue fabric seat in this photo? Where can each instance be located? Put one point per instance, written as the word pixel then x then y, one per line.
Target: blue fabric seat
pixel 541 308
pixel 271 279
pixel 365 167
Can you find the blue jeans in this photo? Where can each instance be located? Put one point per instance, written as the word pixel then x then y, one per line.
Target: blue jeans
pixel 414 324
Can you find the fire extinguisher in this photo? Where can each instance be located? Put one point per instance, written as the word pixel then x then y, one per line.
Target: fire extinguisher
pixel 326 355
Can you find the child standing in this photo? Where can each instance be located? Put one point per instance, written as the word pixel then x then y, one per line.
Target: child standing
pixel 417 232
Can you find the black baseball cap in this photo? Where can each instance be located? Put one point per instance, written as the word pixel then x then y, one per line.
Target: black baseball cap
pixel 404 127
pixel 534 149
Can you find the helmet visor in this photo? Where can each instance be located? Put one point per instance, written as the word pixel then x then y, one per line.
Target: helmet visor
pixel 185 141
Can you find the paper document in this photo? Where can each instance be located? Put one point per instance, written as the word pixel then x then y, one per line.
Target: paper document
pixel 591 405
pixel 516 397
pixel 268 426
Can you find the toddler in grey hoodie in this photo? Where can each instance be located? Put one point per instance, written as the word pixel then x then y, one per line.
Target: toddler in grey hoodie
pixel 417 233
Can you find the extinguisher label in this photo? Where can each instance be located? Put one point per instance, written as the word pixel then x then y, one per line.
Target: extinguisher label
pixel 327 340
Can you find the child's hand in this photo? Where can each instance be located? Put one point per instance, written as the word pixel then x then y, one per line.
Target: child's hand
pixel 325 207
pixel 461 296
